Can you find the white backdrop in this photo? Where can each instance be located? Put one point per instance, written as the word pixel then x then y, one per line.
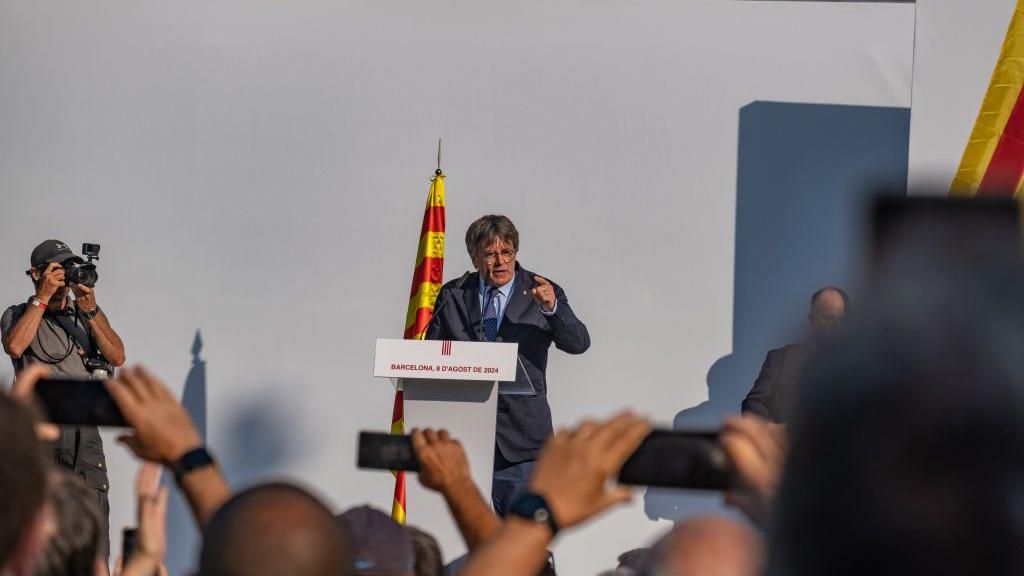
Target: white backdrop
pixel 256 171
pixel 956 48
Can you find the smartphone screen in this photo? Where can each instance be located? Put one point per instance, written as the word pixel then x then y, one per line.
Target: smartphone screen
pixel 896 220
pixel 676 459
pixel 129 537
pixel 78 402
pixel 382 451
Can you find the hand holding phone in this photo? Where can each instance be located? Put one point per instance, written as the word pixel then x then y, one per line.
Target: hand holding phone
pixel 677 459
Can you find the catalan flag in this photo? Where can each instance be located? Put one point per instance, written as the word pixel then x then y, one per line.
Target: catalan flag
pixel 993 163
pixel 426 284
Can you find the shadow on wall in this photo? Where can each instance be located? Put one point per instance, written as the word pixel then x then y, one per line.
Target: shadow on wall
pixel 259 440
pixel 182 536
pixel 804 177
pixel 256 442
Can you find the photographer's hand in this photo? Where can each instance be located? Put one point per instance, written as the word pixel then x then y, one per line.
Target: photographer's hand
pixel 20 336
pixel 109 342
pixel 51 281
pixel 85 297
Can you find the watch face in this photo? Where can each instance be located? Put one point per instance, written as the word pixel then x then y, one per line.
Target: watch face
pixel 533 507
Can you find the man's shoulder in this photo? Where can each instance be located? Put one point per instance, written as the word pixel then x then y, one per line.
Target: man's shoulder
pixel 784 350
pixel 11 315
pixel 461 282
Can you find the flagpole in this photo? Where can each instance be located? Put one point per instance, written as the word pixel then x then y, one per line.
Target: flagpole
pixel 438 171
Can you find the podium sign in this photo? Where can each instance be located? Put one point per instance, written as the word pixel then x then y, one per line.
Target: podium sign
pixel 445 360
pixel 451 385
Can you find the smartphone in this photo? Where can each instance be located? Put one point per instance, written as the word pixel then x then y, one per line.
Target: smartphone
pixel 383 451
pixel 129 538
pixel 897 219
pixel 677 459
pixel 78 402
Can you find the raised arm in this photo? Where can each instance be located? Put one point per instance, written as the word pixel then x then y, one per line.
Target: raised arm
pixel 19 335
pixel 444 469
pixel 572 476
pixel 570 334
pixel 163 433
pixel 106 338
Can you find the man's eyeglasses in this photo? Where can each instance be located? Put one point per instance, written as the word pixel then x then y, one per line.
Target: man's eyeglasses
pixel 504 257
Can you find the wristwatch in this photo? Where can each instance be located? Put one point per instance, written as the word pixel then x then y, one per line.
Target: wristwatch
pixel 535 508
pixel 91 314
pixel 192 460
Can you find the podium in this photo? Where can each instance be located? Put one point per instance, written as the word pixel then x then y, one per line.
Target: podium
pixel 452 385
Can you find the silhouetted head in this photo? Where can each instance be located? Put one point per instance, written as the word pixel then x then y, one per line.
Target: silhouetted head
pixel 907 433
pixel 23 519
pixel 274 529
pixel 829 306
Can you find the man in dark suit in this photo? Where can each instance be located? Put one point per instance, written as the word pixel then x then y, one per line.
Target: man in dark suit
pixel 504 302
pixel 771 394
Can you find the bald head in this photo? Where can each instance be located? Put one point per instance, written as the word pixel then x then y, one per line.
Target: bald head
pixel 274 529
pixel 710 547
pixel 828 309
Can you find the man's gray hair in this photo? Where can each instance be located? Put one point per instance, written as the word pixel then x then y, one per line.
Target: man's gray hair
pixel 488 228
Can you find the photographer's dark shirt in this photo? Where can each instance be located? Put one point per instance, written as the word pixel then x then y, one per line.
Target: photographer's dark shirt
pixel 63 341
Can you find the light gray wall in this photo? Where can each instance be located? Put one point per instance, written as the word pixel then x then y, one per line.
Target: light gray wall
pixel 956 48
pixel 256 171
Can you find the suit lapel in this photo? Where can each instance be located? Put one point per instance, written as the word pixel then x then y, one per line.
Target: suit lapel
pixel 471 301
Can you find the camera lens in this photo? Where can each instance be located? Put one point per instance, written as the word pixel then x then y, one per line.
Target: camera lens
pixel 84 274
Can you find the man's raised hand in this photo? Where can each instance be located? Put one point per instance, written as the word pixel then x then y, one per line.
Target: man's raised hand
pixel 51 281
pixel 85 297
pixel 443 464
pixel 163 430
pixel 574 467
pixel 544 293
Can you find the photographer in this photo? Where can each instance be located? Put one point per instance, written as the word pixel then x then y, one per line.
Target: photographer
pixel 72 337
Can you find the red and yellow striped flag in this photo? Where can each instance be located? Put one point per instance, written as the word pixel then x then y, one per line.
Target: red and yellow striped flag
pixel 993 163
pixel 426 284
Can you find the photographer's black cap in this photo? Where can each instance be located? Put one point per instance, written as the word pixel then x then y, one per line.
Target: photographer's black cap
pixel 50 251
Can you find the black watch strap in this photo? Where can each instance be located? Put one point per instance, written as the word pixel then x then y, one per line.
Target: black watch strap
pixel 535 508
pixel 192 460
pixel 91 314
